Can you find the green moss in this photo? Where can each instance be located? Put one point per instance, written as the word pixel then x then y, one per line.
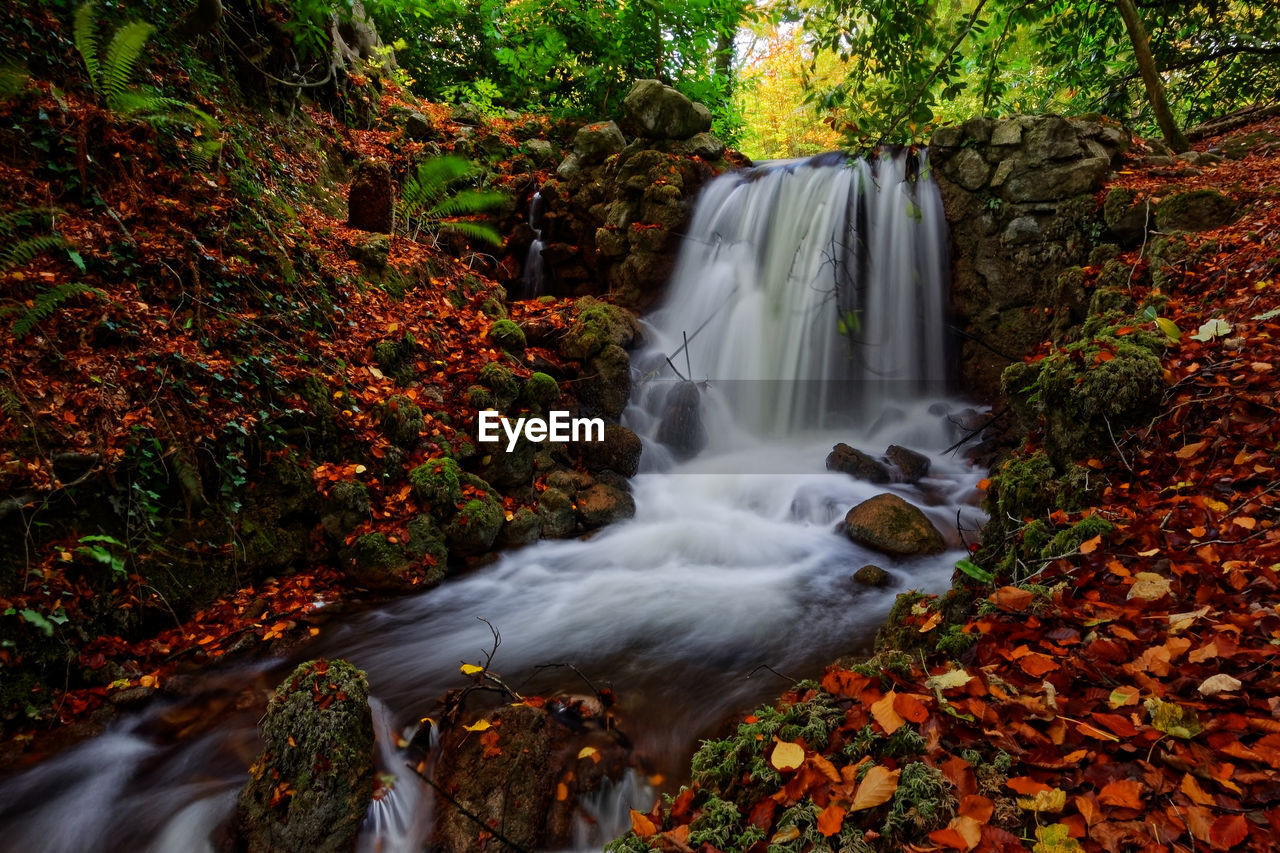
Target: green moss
pixel 501 382
pixel 597 325
pixel 493 308
pixel 436 484
pixel 1069 540
pixel 475 526
pixel 426 541
pixel 923 802
pixel 1195 210
pixel 901 631
pixel 506 335
pixel 540 392
pixel 481 398
pixel 719 823
pixel 401 420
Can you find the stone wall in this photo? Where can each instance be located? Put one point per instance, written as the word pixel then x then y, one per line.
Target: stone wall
pixel 614 213
pixel 1020 200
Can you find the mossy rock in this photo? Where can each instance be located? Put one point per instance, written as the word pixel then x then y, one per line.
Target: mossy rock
pixel 1195 210
pixel 346 508
pixel 540 392
pixel 323 424
pixel 1030 487
pixel 891 525
pixel 555 514
pixel 436 484
pixel 1127 217
pixel 393 358
pixel 619 451
pixel 476 525
pixel 524 528
pixel 597 325
pixel 481 398
pixel 401 420
pixel 309 790
pixel 603 504
pixel 606 388
pixel 377 563
pixel 501 382
pixel 507 468
pixel 493 308
pixel 507 336
pixel 426 541
pixel 901 629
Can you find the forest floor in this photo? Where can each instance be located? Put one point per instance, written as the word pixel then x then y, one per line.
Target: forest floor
pixel 1127 697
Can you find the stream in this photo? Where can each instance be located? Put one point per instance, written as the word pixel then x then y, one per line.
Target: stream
pixel 811 295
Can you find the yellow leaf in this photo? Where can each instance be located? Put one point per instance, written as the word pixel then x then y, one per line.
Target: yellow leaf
pixel 360 469
pixel 470 669
pixel 478 726
pixel 969 829
pixel 1149 586
pixel 589 752
pixel 1182 621
pixel 782 836
pixel 948 680
pixel 787 755
pixel 885 714
pixel 875 789
pixel 1216 505
pixel 1090 545
pixel 1052 800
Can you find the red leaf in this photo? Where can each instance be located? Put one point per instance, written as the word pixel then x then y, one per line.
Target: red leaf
pixel 1228 831
pixel 1122 793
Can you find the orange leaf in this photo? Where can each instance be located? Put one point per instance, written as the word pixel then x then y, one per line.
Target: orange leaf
pixel 877 788
pixel 831 819
pixel 1189 450
pixel 1192 789
pixel 1036 664
pixel 1011 598
pixel 910 708
pixel 1027 786
pixel 1122 793
pixel 641 825
pixel 977 807
pixel 1228 831
pixel 1090 545
pixel 949 838
pixel 885 715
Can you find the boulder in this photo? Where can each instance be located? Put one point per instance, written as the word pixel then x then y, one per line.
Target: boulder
pixel 596 325
pixel 890 524
pixel 541 151
pixel 681 428
pixel 1127 217
pixel 594 142
pixel 524 528
pixel 555 514
pixel 603 504
pixel 526 773
pixel 913 466
pixel 475 526
pixel 435 483
pixel 418 127
pixel 1197 210
pixel 371 199
pixel 310 788
pixel 872 576
pixel 619 451
pixel 606 386
pixel 656 111
pixel 1057 182
pixel 426 543
pixel 371 251
pixel 856 464
pixel 375 563
pixel 706 145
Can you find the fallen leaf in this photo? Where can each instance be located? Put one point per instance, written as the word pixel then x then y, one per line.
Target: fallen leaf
pixel 1149 586
pixel 831 819
pixel 1228 831
pixel 883 712
pixel 641 825
pixel 875 789
pixel 1220 683
pixel 786 756
pixel 1122 793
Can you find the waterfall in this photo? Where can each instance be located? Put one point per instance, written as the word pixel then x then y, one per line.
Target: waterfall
pixel 811 292
pixel 532 282
pixel 811 295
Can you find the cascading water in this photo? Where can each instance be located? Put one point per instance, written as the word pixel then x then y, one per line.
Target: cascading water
pixel 810 295
pixel 532 282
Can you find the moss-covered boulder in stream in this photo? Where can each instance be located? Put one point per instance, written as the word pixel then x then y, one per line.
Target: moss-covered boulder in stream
pixel 890 524
pixel 507 336
pixel 474 527
pixel 540 392
pixel 375 562
pixel 426 542
pixel 310 788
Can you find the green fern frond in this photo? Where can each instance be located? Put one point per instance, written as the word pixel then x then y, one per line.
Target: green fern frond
pixel 23 217
pixel 428 201
pixel 47 303
pixel 24 251
pixel 467 203
pixel 86 37
pixel 13 80
pixel 121 57
pixel 474 230
pixel 431 182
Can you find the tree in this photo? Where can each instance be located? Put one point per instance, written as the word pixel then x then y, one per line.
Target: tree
pixel 1150 76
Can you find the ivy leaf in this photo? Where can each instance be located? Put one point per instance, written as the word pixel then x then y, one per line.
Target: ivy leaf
pixel 975 571
pixel 1211 329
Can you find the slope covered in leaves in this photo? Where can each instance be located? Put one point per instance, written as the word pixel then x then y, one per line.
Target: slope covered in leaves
pixel 1123 695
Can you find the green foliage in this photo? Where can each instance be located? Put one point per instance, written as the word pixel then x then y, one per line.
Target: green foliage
pixel 111 71
pixel 431 202
pixel 105 550
pixel 44 305
pixel 923 802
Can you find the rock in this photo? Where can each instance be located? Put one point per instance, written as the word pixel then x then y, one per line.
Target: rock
pixel 969 169
pixel 540 392
pixel 401 420
pixel 913 466
pixel 855 463
pixel 346 507
pixel 1007 132
pixel 473 528
pixel 555 514
pixel 597 325
pixel 1126 218
pixel 594 142
pixel 681 428
pixel 426 542
pixel 948 136
pixel 656 111
pixel 541 151
pixel 569 167
pixel 507 336
pixel 309 790
pixel 602 504
pixel 872 576
pixel 619 452
pixel 1196 210
pixel 1057 182
pixel 890 524
pixel 1239 146
pixel 606 385
pixel 375 563
pixel 436 484
pixel 418 127
pixel 371 252
pixel 543 762
pixel 524 528
pixel 467 113
pixel 1051 138
pixel 705 145
pixel 1023 230
pixel 371 199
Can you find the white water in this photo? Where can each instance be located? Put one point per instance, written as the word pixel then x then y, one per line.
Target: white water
pixel 733 560
pixel 534 264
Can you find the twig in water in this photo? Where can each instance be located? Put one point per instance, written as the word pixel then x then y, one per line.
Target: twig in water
pixel 465 812
pixel 774 671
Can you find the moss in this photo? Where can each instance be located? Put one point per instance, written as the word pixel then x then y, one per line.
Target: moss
pixel 1195 210
pixel 312 784
pixel 923 802
pixel 506 335
pixel 540 392
pixel 493 308
pixel 426 540
pixel 481 398
pixel 475 526
pixel 1069 540
pixel 1030 487
pixel 901 628
pixel 373 551
pixel 597 325
pixel 393 357
pixel 436 483
pixel 323 424
pixel 401 420
pixel 501 382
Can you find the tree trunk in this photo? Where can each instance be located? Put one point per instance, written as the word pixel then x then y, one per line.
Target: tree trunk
pixel 1151 77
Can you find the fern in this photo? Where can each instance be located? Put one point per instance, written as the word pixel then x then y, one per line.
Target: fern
pixel 86 36
pixel 120 60
pixel 13 80
pixel 24 251
pixel 47 303
pixel 429 202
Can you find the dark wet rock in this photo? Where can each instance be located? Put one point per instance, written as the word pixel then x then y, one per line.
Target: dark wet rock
pixel 603 504
pixel 475 526
pixel 346 507
pixel 310 788
pixel 418 127
pixel 1196 210
pixel 681 428
pixel 374 562
pixel 597 325
pixel 606 383
pixel 508 468
pixel 873 576
pixel 435 483
pixel 1127 217
pixel 524 528
pixel 594 142
pixel 426 543
pixel 555 514
pixel 913 466
pixel 855 463
pixel 890 524
pixel 371 199
pixel 619 451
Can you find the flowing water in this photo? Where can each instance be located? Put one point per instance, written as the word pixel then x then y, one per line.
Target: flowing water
pixel 810 295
